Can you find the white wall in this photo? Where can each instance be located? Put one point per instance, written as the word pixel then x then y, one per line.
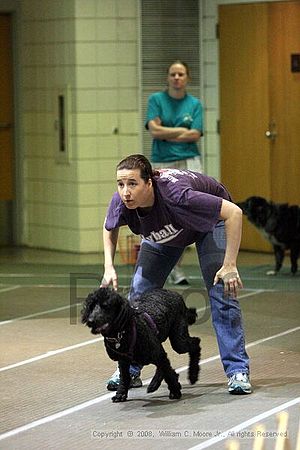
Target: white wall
pixel 106 106
pixel 91 46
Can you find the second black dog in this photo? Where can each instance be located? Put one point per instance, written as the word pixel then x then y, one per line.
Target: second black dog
pixel 134 334
pixel 280 224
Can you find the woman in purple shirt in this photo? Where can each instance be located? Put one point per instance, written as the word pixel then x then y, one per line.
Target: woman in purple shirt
pixel 170 209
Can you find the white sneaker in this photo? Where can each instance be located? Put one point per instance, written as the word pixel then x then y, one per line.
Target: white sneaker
pixel 114 381
pixel 239 384
pixel 177 276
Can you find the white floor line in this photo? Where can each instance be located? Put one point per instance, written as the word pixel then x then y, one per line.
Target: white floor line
pixel 59 275
pixel 50 353
pixel 10 288
pixel 253 292
pixel 34 275
pixel 47 311
pixel 241 426
pixel 67 286
pixel 49 285
pixel 283 333
pixel 103 397
pixel 41 313
pixel 55 416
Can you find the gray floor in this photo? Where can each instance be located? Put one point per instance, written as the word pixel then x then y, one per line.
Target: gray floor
pixel 53 370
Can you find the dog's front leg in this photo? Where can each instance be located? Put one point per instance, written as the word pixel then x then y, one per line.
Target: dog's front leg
pixel 122 391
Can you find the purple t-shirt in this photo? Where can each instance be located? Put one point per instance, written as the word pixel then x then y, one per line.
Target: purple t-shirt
pixel 186 203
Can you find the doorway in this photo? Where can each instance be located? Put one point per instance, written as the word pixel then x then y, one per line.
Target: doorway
pixel 260 104
pixel 6 132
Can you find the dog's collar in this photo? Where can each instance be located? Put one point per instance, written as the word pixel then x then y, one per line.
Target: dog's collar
pixel 118 339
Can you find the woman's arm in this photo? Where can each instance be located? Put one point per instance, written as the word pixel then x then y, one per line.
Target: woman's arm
pixel 192 135
pixel 158 131
pixel 232 216
pixel 110 239
pixel 172 134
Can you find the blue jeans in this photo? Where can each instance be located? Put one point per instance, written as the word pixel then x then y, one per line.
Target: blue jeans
pixel 155 262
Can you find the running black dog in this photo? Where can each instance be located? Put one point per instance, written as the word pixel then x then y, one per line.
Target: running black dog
pixel 279 224
pixel 135 333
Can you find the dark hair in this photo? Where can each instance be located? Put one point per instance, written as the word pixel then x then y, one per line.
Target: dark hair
pixel 140 162
pixel 184 64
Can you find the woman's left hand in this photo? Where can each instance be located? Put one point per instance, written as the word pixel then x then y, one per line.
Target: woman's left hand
pixel 231 280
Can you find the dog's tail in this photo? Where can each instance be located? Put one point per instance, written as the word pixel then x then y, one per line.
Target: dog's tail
pixel 191 315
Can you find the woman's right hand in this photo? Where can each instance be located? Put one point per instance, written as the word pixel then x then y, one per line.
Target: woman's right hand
pixel 110 277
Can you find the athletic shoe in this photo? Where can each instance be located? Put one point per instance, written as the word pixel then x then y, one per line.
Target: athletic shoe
pixel 239 384
pixel 114 381
pixel 177 276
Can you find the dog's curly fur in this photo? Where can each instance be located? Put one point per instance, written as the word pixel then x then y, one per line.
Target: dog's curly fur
pixel 279 223
pixel 133 334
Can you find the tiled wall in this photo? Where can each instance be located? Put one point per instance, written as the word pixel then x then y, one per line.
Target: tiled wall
pixel 90 46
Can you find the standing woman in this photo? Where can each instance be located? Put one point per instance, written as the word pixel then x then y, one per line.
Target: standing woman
pixel 172 209
pixel 175 121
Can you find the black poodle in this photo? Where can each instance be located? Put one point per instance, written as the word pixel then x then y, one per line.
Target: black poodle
pixel 134 333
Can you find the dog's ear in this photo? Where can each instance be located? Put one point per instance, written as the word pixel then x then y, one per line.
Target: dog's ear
pixel 87 307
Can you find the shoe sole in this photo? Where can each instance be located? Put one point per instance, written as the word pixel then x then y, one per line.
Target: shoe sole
pixel 114 387
pixel 109 387
pixel 240 391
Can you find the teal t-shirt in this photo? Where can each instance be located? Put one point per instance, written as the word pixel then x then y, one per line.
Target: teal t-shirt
pixel 186 112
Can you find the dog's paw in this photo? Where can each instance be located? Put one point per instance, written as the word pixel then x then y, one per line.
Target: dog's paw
pixel 193 377
pixel 175 391
pixel 175 395
pixel 119 398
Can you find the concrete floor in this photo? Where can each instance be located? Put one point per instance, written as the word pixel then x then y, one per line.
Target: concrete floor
pixel 53 370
